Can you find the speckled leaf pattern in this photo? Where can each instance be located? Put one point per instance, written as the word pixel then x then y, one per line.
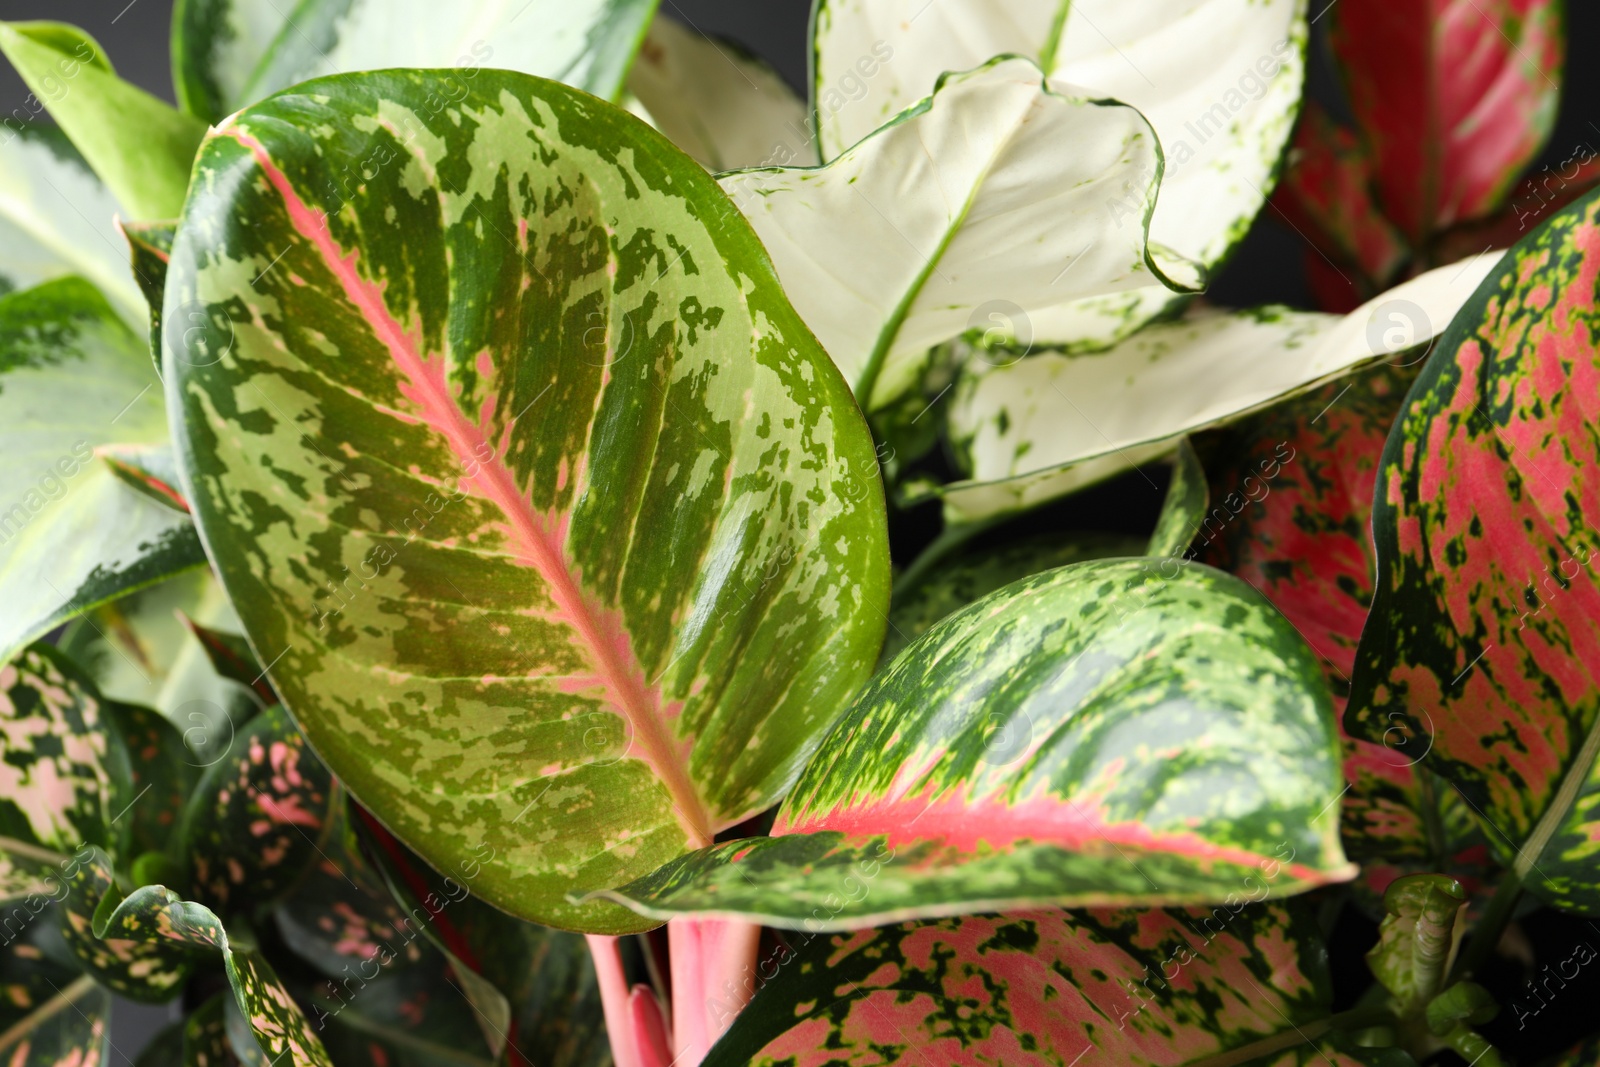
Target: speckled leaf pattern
pixel 73 376
pixel 1137 988
pixel 1454 98
pixel 137 968
pixel 56 218
pixel 538 999
pixel 947 226
pixel 229 53
pixel 153 775
pixel 1184 510
pixel 981 569
pixel 1418 938
pixel 253 826
pixel 49 1018
pixel 149 250
pixel 205 1035
pixel 1482 647
pixel 567 519
pixel 1219 80
pixel 158 914
pixel 55 790
pixel 1026 431
pixel 1111 732
pixel 722 105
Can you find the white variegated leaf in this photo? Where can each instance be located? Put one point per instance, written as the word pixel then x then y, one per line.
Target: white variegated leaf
pixel 1220 80
pixel 229 53
pixel 56 218
pixel 723 106
pixel 982 205
pixel 1051 424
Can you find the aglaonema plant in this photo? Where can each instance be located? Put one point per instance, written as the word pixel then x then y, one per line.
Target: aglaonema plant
pixel 453 617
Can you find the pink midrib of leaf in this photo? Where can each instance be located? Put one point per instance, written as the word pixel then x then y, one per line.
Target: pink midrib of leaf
pixel 605 639
pixel 967 824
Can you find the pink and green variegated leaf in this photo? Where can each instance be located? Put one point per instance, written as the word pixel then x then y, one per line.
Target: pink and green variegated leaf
pixel 150 249
pixel 55 789
pixel 148 469
pixel 155 913
pixel 571 544
pixel 1453 97
pixel 1326 194
pixel 1417 940
pixel 1112 732
pixel 537 997
pixel 205 1035
pixel 1535 199
pixel 139 969
pixel 153 774
pixel 258 817
pixel 1136 988
pixel 1482 646
pixel 50 1017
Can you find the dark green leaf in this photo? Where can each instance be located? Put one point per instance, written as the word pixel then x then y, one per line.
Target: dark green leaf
pixel 150 245
pixel 153 774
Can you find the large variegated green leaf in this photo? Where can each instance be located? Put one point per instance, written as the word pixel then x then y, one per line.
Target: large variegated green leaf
pixel 1117 731
pixel 718 103
pixel 559 533
pixel 55 791
pixel 1136 988
pixel 977 208
pixel 157 914
pixel 72 535
pixel 140 146
pixel 229 53
pixel 1219 81
pixel 1028 430
pixel 1483 642
pixel 255 822
pixel 56 218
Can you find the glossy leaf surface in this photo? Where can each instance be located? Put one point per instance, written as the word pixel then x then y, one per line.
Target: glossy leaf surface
pixel 140 146
pixel 1453 96
pixel 1029 430
pixel 1115 731
pixel 140 969
pixel 72 535
pixel 1141 988
pixel 48 1017
pixel 1183 511
pixel 541 519
pixel 942 218
pixel 155 913
pixel 1482 642
pixel 229 53
pixel 1418 938
pixel 1219 80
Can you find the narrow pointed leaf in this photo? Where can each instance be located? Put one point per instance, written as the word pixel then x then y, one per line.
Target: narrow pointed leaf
pixel 141 147
pixel 55 790
pixel 943 220
pixel 229 53
pixel 1140 988
pixel 232 658
pixel 1219 80
pixel 1326 194
pixel 980 570
pixel 637 606
pixel 72 534
pixel 718 103
pixel 1031 430
pixel 253 826
pixel 150 971
pixel 150 249
pixel 1418 939
pixel 1116 731
pixel 57 218
pixel 148 469
pixel 155 913
pixel 1183 512
pixel 1482 642
pixel 1454 99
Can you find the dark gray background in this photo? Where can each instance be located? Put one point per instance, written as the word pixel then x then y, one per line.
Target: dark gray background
pixel 1267 268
